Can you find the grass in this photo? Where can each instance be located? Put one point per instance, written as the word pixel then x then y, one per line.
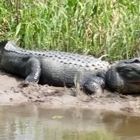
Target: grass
pixel 96 28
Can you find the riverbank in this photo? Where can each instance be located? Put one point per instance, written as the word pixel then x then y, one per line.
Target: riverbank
pixel 15 91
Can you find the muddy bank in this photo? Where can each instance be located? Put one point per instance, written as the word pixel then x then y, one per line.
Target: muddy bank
pixel 14 91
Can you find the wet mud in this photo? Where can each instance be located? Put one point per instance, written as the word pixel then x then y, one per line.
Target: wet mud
pixel 14 91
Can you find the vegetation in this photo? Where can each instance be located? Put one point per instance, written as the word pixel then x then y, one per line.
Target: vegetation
pixel 98 27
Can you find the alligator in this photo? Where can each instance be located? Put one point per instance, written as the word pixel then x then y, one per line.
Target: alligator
pixel 57 68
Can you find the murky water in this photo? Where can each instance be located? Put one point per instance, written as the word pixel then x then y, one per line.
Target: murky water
pixel 33 123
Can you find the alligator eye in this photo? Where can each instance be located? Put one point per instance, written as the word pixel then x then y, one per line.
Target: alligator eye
pixel 136 61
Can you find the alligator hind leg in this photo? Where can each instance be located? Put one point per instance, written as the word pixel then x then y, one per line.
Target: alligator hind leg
pixel 94 85
pixel 33 70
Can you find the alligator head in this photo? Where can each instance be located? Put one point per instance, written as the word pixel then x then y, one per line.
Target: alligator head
pixel 124 77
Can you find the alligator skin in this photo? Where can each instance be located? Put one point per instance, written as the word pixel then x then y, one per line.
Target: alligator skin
pixel 54 67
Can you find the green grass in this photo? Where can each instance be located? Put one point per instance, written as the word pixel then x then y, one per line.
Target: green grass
pixel 91 27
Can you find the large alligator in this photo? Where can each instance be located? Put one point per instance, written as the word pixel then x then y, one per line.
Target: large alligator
pixel 67 69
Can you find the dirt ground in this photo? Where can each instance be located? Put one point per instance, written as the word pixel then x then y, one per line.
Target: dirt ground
pixel 14 91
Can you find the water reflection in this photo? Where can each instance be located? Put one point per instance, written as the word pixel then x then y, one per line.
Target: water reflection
pixel 122 125
pixel 32 123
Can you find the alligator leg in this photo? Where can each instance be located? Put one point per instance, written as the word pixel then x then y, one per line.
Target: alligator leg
pixel 94 85
pixel 33 70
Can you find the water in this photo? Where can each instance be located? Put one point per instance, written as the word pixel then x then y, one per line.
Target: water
pixel 33 123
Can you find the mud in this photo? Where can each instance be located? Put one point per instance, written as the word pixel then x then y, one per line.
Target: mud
pixel 14 91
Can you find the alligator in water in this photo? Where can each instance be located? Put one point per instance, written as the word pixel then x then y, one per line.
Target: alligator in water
pixel 67 69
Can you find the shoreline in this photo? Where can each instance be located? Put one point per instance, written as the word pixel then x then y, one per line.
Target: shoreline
pixel 14 91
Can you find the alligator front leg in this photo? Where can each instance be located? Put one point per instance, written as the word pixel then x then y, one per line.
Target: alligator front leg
pixel 94 85
pixel 33 70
